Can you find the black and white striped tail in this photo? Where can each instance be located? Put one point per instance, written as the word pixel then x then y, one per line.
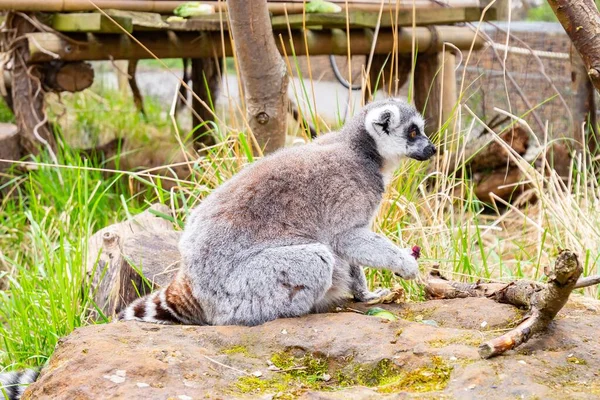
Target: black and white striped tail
pixel 13 384
pixel 174 304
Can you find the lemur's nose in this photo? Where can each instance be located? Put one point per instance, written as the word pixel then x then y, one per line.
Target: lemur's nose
pixel 430 150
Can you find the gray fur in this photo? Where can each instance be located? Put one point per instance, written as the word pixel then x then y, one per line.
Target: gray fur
pixel 287 235
pixel 13 384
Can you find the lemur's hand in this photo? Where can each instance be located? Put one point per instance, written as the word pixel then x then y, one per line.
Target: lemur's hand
pixel 410 267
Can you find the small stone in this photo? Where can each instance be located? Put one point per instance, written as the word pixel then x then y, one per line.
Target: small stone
pixel 471 387
pixel 142 385
pixel 184 397
pixel 326 377
pixel 419 349
pixel 453 358
pixel 115 378
pixel 121 373
pixel 283 332
pixel 257 374
pixel 522 362
pixel 484 324
pixel 430 322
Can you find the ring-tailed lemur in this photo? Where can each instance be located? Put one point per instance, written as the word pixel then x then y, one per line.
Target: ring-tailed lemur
pixel 288 234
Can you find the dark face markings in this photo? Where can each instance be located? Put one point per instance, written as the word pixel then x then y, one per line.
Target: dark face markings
pixel 384 121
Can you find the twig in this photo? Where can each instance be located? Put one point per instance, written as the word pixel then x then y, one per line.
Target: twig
pixel 587 281
pixel 225 365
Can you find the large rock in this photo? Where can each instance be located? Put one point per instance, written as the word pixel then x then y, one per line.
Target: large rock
pixel 430 353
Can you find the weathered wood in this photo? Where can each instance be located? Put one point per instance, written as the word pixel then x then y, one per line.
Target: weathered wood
pixel 435 88
pixel 167 6
pixel 209 22
pixel 206 82
pixel 545 304
pixel 140 20
pixel 504 183
pixel 449 96
pixel 427 89
pixel 208 44
pixel 112 251
pixel 28 95
pixel 138 99
pixel 91 22
pixel 68 77
pixel 543 301
pixel 362 19
pixel 263 72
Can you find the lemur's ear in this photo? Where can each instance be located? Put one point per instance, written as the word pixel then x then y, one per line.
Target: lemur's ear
pixel 382 124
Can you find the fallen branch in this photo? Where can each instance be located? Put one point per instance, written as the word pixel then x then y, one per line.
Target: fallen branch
pixel 543 301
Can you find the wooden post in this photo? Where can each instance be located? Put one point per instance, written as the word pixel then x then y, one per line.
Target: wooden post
pixel 120 67
pixel 449 95
pixel 206 81
pixel 435 88
pixel 383 73
pixel 135 90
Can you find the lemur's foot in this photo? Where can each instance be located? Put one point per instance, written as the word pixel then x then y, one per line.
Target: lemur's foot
pixel 377 296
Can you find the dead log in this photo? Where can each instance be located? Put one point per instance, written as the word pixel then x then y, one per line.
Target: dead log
pixel 545 304
pixel 505 184
pixel 543 301
pixel 483 153
pixel 68 76
pixel 131 258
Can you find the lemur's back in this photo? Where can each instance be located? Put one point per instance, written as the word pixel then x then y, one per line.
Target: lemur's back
pixel 297 192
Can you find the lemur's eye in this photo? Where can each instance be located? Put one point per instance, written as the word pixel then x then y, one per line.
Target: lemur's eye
pixel 413 132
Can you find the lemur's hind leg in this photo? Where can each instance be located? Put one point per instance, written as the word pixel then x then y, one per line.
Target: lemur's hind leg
pixel 278 282
pixel 360 289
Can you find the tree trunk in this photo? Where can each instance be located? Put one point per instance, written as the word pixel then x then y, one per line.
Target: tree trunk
pixel 263 71
pixel 28 95
pixel 581 21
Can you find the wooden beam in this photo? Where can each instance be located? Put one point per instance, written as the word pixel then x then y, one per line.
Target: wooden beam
pixel 43 45
pixel 140 20
pixel 90 22
pixel 167 6
pixel 362 19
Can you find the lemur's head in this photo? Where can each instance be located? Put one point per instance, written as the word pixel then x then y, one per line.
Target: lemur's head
pixel 398 130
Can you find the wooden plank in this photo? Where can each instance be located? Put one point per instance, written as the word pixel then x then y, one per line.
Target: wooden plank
pixel 90 22
pixel 361 19
pixel 140 20
pixel 209 22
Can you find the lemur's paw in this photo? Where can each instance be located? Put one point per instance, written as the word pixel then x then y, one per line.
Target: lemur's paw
pixel 409 268
pixel 377 296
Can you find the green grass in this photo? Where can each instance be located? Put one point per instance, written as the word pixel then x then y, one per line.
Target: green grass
pixel 43 255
